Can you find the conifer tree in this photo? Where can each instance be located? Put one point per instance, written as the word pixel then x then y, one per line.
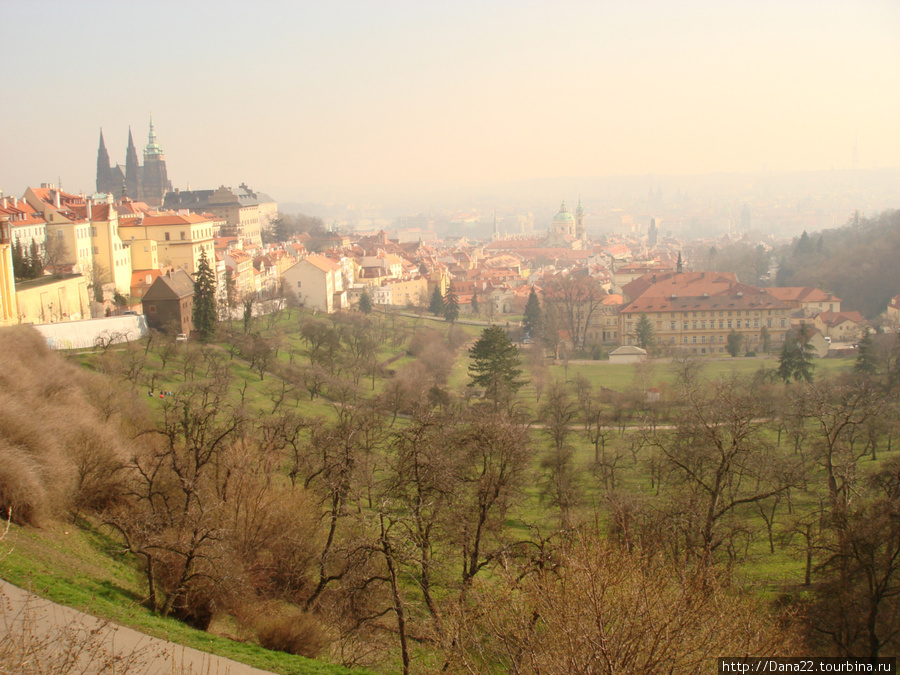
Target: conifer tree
pixel 495 364
pixel 644 332
pixel 531 322
pixel 18 260
pixel 451 305
pixel 796 360
pixel 365 303
pixel 474 301
pixel 866 358
pixel 436 306
pixel 204 314
pixel 35 261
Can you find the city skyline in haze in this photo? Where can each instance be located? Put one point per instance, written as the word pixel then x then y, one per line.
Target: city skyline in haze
pixel 318 101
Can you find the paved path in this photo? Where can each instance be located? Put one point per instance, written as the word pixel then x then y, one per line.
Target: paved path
pixel 38 636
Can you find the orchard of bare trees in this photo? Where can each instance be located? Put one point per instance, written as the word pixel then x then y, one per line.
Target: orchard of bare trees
pixel 347 488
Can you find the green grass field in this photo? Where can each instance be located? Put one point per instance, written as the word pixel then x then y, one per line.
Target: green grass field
pixel 82 567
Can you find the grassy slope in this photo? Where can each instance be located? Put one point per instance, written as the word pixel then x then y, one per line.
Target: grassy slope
pixel 82 568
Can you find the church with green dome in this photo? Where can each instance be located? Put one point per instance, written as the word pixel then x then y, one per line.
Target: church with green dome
pixel 567 229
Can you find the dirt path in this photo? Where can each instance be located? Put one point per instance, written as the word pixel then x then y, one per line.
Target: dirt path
pixel 38 636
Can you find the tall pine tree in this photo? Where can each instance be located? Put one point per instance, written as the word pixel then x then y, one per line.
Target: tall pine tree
pixel 531 322
pixel 796 360
pixel 495 364
pixel 451 305
pixel 204 314
pixel 365 303
pixel 436 306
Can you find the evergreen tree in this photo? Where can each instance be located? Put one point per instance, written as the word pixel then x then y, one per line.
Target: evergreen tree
pixel 866 358
pixel 204 314
pixel 796 360
pixel 451 305
pixel 35 261
pixel 643 332
pixel 735 340
pixel 531 322
pixel 474 301
pixel 20 265
pixel 365 303
pixel 436 306
pixel 495 364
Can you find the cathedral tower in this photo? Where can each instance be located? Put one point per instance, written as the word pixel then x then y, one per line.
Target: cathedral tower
pixel 154 178
pixel 104 174
pixel 132 171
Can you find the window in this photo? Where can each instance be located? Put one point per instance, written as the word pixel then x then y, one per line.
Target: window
pixel 96 250
pixel 93 231
pixel 299 284
pixel 167 236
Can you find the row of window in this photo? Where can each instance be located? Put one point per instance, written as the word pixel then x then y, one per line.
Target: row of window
pixel 703 339
pixel 701 314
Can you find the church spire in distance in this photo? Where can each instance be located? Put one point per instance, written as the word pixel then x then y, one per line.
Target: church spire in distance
pixel 132 170
pixel 104 175
pixel 152 148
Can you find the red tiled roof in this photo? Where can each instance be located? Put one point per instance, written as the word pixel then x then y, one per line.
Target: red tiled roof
pixel 801 294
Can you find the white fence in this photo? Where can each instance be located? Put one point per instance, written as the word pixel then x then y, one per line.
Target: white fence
pixel 93 332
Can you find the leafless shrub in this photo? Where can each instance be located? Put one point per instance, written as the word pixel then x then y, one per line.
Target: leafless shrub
pixel 291 630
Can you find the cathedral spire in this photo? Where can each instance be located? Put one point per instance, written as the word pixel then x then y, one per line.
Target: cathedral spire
pixel 104 175
pixel 132 170
pixel 152 148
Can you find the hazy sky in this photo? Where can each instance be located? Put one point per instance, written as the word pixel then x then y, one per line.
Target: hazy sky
pixel 306 100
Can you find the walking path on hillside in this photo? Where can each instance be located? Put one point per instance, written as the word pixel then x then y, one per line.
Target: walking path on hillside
pixel 37 635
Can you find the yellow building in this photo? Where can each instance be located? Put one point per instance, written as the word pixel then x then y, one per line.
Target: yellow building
pixel 701 324
pixel 179 237
pixel 144 254
pixel 68 240
pixel 111 259
pixel 408 291
pixel 8 310
pixel 54 298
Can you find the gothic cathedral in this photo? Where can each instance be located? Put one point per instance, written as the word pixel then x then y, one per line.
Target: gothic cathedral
pixel 147 183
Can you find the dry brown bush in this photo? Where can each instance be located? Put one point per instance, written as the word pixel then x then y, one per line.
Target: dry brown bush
pixel 596 607
pixel 58 448
pixel 291 630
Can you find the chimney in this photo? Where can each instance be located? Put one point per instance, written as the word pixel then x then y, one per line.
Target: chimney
pixel 56 198
pixel 89 210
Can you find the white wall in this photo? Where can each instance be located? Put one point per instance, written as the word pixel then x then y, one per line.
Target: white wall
pixel 85 334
